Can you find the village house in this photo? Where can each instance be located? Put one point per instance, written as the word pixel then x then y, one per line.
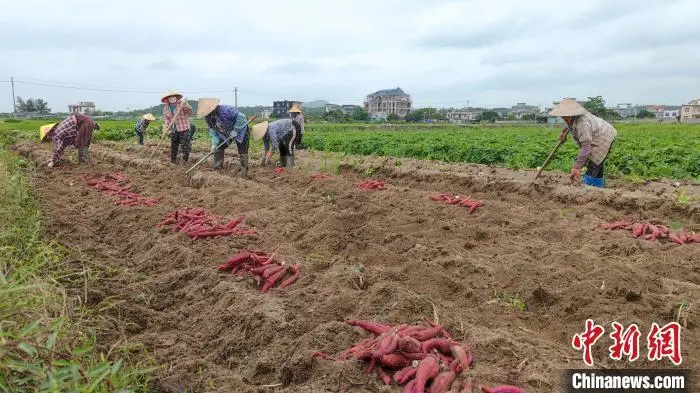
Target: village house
pixel 625 110
pixel 463 115
pixel 690 112
pixel 82 107
pixel 671 113
pixel 383 103
pixel 280 109
pixel 657 110
pixel 520 109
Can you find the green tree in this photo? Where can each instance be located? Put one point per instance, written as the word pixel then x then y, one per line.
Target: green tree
pixel 596 105
pixel 645 114
pixel 360 114
pixel 529 116
pixel 489 116
pixel 42 106
pixel 393 117
pixel 335 116
pixel 416 115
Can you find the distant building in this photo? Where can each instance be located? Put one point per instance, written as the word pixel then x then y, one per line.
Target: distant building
pixel 690 112
pixel 657 110
pixel 463 115
pixel 520 109
pixel 281 109
pixel 383 103
pixel 625 110
pixel 82 107
pixel 333 107
pixel 350 109
pixel 671 113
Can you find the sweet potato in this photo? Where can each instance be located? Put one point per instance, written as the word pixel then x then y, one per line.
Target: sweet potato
pixel 443 345
pixel 409 344
pixel 272 280
pixel 383 375
pixel 637 229
pixel 394 361
pixel 501 389
pixel 428 369
pixel 427 334
pixel 411 387
pixel 414 355
pixel 259 271
pixel 374 328
pixel 405 374
pixel 676 237
pixel 462 358
pixel 443 382
pixel 296 271
pixel 273 270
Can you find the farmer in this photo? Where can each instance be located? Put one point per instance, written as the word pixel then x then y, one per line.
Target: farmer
pixel 296 114
pixel 142 125
pixel 76 130
pixel 594 136
pixel 226 124
pixel 176 113
pixel 279 134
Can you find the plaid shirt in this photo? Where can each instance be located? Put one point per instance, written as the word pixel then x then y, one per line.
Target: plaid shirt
pixel 141 126
pixel 182 122
pixel 63 135
pixel 593 129
pixel 276 131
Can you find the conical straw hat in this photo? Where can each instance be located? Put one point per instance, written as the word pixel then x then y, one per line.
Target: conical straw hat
pixel 149 117
pixel 206 105
pixel 43 130
pixel 295 109
pixel 170 93
pixel 259 130
pixel 568 107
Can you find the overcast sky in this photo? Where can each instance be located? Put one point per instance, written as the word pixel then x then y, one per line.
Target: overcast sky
pixel 442 52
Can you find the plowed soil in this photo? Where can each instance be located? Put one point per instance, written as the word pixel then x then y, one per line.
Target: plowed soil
pixel 516 279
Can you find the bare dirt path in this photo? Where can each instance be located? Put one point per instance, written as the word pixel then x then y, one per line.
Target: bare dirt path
pixel 392 255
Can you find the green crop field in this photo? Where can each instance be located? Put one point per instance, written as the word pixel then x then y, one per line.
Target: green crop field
pixel 642 151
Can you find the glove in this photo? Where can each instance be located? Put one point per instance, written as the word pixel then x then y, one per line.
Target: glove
pixel 50 164
pixel 575 174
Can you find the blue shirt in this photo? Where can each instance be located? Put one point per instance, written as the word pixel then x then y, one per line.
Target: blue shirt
pixel 223 121
pixel 276 131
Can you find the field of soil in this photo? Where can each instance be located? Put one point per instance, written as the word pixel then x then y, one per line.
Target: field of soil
pixel 515 280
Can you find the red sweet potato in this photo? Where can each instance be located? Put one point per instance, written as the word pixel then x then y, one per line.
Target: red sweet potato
pixel 676 237
pixel 273 270
pixel 383 376
pixel 428 369
pixel 374 328
pixel 462 358
pixel 427 334
pixel 262 269
pixel 394 361
pixel 363 355
pixel 414 355
pixel 443 345
pixel 501 389
pixel 402 376
pixel 637 230
pixel 411 387
pixel 272 280
pixel 296 271
pixel 443 382
pixel 409 344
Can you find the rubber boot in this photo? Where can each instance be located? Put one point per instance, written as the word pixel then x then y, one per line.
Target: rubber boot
pixel 83 155
pixel 290 161
pixel 283 161
pixel 244 164
pixel 219 159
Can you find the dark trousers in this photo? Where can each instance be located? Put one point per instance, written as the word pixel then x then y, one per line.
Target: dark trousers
pixel 241 147
pixel 596 170
pixel 179 140
pixel 287 143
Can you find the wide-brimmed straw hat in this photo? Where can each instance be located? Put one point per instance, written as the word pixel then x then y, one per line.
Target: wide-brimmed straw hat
pixel 568 107
pixel 149 117
pixel 295 109
pixel 206 105
pixel 170 93
pixel 259 130
pixel 44 130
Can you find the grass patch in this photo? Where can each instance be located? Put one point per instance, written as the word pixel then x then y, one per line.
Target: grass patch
pixel 47 333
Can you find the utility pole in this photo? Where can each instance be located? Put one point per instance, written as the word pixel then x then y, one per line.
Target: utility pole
pixel 235 90
pixel 14 102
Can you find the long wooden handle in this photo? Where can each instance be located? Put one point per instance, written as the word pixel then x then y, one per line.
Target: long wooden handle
pixel 177 112
pixel 220 144
pixel 551 155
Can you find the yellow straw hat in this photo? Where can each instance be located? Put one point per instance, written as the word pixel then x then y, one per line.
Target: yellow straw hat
pixel 259 130
pixel 170 93
pixel 295 109
pixel 206 105
pixel 149 117
pixel 44 130
pixel 568 107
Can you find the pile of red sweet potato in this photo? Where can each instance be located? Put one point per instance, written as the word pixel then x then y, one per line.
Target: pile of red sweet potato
pixel 116 184
pixel 371 185
pixel 457 200
pixel 652 231
pixel 417 357
pixel 278 170
pixel 319 176
pixel 265 268
pixel 196 223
